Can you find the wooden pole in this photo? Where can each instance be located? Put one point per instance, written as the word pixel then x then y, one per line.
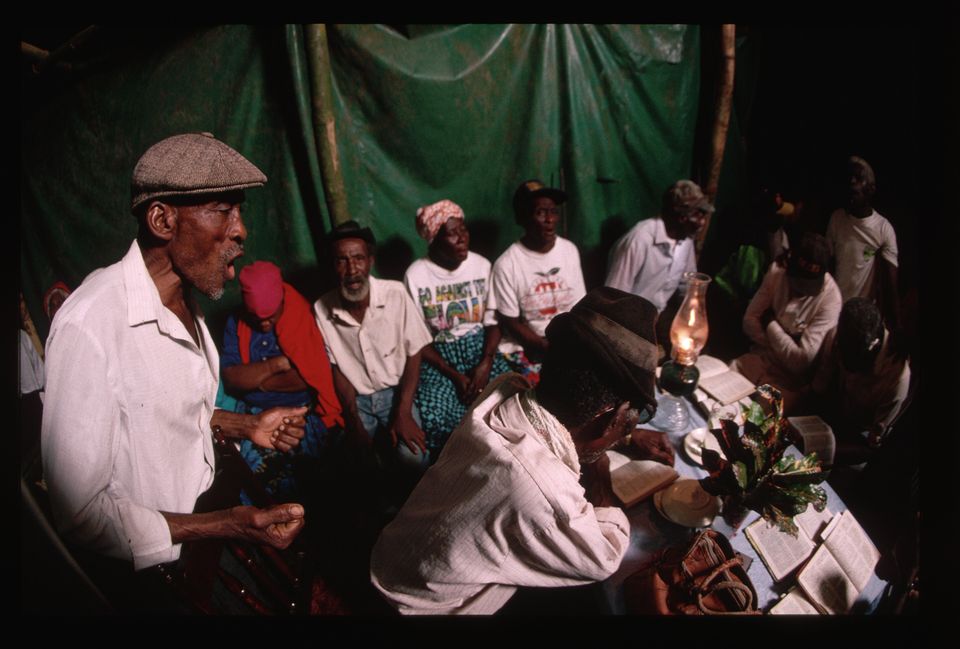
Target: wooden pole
pixel 721 120
pixel 323 123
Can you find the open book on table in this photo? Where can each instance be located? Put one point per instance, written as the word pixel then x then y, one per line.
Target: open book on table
pixel 781 552
pixel 837 572
pixel 841 567
pixel 637 480
pixel 721 386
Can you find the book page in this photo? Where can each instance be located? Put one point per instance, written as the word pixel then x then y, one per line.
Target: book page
pixel 813 522
pixel 636 480
pixel 727 387
pixel 817 437
pixel 794 603
pixel 853 550
pixel 826 584
pixel 781 553
pixel 710 366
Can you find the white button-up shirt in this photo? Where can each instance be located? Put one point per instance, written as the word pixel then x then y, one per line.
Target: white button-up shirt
pixel 647 262
pixel 372 354
pixel 126 423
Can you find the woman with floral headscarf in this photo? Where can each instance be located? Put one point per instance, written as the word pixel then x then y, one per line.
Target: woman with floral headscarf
pixel 451 285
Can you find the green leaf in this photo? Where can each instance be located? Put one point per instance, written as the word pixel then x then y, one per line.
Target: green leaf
pixel 791 465
pixel 753 442
pixel 776 517
pixel 741 474
pixel 754 414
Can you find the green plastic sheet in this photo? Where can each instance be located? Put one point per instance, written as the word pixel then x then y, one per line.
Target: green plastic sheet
pixel 461 112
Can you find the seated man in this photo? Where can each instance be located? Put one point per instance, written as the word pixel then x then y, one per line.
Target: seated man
pixel 521 496
pixel 375 336
pixel 132 373
pixel 787 320
pixel 273 355
pixel 652 257
pixel 535 279
pixel 865 383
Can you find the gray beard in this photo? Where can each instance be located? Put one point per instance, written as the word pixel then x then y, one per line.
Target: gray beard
pixel 356 296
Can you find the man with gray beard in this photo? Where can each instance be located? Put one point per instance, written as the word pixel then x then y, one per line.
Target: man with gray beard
pixel 375 335
pixel 129 421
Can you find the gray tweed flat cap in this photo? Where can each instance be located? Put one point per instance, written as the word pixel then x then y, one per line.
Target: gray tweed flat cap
pixel 192 163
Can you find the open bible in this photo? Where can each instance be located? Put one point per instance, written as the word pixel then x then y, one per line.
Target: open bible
pixel 720 386
pixel 781 552
pixel 636 480
pixel 837 571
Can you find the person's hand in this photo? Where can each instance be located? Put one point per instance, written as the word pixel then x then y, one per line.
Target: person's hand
pixel 767 317
pixel 404 428
pixel 356 432
pixel 279 364
pixel 280 428
pixel 462 383
pixel 277 525
pixel 595 479
pixel 651 445
pixel 479 377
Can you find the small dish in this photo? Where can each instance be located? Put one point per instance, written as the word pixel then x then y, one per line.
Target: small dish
pixel 686 503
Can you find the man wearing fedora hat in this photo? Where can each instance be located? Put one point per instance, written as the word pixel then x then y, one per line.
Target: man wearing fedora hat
pixel 520 496
pixel 128 428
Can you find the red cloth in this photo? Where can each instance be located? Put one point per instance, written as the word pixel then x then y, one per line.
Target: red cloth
pixel 301 342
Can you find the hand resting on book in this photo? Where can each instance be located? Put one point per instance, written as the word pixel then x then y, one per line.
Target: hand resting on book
pixel 648 444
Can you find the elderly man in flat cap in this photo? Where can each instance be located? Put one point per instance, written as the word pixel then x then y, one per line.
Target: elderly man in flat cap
pixel 520 496
pixel 651 259
pixel 128 430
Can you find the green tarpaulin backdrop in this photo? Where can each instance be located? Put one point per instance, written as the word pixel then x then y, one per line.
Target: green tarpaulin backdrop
pixel 463 112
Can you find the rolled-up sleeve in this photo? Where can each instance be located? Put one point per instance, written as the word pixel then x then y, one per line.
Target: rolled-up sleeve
pixel 504 296
pixel 626 262
pixel 416 336
pixel 81 444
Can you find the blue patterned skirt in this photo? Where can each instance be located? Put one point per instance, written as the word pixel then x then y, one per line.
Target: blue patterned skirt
pixel 436 398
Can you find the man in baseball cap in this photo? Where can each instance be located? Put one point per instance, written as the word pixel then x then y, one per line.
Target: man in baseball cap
pixel 129 424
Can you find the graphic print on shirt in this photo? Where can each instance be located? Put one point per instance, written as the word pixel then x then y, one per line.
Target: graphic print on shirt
pixel 547 296
pixel 869 253
pixel 446 306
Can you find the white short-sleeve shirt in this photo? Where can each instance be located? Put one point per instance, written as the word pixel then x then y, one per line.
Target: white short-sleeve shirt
pixel 372 354
pixel 535 286
pixel 453 302
pixel 855 244
pixel 647 262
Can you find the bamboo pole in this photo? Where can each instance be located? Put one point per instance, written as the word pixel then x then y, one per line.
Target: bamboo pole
pixel 721 120
pixel 323 123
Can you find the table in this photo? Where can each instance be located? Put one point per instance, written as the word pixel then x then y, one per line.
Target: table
pixel 650 532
